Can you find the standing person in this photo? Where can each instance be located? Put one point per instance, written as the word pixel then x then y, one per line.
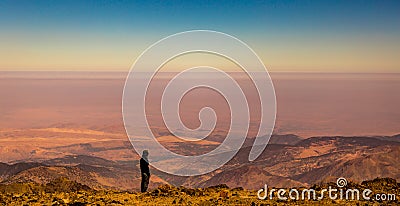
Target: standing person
pixel 144 168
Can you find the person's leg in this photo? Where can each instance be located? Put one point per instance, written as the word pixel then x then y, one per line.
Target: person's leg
pixel 142 183
pixel 145 182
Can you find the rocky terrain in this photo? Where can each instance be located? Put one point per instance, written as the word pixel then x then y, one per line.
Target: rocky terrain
pixel 62 191
pixel 288 161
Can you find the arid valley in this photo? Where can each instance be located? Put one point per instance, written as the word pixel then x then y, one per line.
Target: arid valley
pixel 69 125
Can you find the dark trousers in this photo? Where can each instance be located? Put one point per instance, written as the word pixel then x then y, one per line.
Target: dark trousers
pixel 145 182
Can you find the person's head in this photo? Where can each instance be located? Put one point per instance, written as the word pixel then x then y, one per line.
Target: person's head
pixel 145 153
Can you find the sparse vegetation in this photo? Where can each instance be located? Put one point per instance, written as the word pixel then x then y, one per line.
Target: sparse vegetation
pixel 65 192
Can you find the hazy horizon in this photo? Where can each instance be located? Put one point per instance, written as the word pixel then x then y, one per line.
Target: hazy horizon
pixel 308 104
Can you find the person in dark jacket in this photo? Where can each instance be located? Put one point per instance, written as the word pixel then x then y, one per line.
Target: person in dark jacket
pixel 144 169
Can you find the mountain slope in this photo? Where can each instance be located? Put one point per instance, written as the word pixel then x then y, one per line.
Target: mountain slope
pixel 290 162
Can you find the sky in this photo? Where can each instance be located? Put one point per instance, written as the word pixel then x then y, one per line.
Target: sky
pixel 288 36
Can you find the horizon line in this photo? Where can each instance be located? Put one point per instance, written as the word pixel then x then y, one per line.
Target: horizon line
pixel 122 71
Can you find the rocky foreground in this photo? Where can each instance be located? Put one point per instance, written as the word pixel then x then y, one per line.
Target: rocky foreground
pixel 65 192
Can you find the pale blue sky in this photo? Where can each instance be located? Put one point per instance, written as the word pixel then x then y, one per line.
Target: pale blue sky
pixel 329 36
